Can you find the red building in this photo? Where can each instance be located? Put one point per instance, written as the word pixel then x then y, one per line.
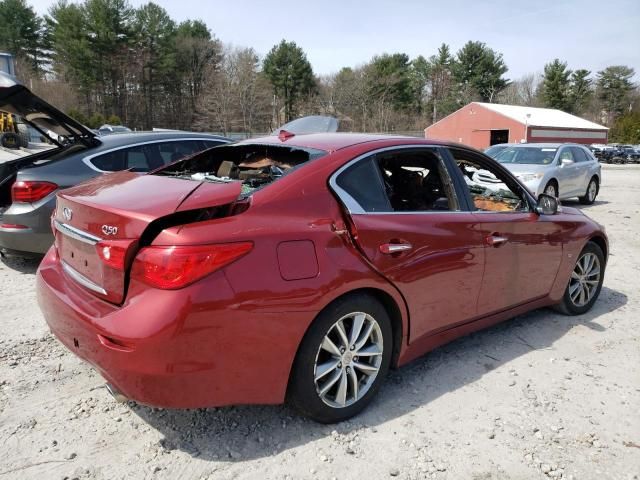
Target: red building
pixel 481 125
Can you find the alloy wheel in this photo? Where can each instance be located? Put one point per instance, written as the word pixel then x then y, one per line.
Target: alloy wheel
pixel 551 190
pixel 348 360
pixel 585 279
pixel 592 190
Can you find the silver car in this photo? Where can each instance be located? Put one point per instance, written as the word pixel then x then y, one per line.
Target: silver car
pixel 563 170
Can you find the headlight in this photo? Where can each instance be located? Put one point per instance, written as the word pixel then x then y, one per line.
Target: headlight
pixel 527 177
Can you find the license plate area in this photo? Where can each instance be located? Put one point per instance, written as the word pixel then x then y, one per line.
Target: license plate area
pixel 80 256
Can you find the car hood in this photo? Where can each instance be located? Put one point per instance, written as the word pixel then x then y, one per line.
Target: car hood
pixel 520 168
pixel 17 99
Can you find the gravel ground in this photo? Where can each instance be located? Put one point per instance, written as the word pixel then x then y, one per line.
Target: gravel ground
pixel 541 396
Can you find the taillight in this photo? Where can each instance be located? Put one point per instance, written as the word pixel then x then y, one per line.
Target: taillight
pixel 27 191
pixel 114 252
pixel 176 267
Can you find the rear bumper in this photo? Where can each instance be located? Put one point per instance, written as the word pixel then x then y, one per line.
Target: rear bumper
pixel 175 349
pixel 36 238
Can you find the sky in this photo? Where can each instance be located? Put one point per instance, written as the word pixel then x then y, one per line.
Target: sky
pixel 586 34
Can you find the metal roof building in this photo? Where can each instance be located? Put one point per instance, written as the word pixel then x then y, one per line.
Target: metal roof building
pixel 481 125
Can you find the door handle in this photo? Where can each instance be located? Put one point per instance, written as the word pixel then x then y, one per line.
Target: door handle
pixel 391 248
pixel 496 240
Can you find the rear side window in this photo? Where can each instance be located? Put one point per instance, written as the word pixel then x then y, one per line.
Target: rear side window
pixel 173 151
pixel 580 155
pixel 362 182
pixel 143 158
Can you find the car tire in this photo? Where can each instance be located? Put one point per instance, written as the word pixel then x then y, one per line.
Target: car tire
pixel 581 293
pixel 591 193
pixel 329 383
pixel 551 188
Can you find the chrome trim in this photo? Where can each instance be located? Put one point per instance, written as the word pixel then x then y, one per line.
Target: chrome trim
pixel 76 233
pixel 353 206
pixel 81 279
pixel 87 160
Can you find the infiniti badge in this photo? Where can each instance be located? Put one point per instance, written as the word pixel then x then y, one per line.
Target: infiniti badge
pixel 67 213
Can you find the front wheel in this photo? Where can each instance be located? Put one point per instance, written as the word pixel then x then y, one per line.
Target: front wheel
pixel 585 282
pixel 551 188
pixel 591 193
pixel 342 360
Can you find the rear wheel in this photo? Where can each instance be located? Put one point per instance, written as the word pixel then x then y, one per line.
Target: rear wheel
pixel 551 188
pixel 585 282
pixel 591 194
pixel 342 360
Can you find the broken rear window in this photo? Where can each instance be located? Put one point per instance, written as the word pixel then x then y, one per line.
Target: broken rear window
pixel 254 165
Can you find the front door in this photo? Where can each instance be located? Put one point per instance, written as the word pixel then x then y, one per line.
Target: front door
pixel 411 229
pixel 523 249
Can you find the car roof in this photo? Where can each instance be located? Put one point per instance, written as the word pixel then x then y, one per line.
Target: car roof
pixel 331 142
pixel 546 145
pixel 122 139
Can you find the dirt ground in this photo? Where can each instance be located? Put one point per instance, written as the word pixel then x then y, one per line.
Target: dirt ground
pixel 543 395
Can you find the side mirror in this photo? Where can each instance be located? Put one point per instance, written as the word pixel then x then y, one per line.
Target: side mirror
pixel 566 161
pixel 547 205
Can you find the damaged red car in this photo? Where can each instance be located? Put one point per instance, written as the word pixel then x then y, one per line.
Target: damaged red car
pixel 302 268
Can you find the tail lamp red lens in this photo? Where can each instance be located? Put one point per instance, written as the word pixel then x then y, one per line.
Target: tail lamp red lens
pixel 113 253
pixel 178 266
pixel 29 192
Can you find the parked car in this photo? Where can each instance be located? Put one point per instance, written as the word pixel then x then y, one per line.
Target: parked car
pixel 493 150
pixel 302 267
pixel 630 153
pixel 562 170
pixel 107 129
pixel 29 184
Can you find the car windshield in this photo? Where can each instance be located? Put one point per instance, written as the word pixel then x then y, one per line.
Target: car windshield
pixel 527 155
pixel 495 150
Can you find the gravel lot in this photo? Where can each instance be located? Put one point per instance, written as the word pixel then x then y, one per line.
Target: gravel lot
pixel 543 395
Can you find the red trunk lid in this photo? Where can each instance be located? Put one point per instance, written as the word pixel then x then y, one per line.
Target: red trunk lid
pixel 113 211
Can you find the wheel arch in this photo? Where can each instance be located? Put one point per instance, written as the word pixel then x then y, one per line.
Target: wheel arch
pixel 390 305
pixel 602 243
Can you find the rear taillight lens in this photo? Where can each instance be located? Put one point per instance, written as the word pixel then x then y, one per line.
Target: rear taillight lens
pixel 31 191
pixel 176 267
pixel 113 253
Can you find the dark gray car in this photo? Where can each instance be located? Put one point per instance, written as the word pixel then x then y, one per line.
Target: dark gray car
pixel 28 185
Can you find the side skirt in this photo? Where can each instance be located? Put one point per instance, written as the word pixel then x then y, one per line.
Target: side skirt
pixel 430 342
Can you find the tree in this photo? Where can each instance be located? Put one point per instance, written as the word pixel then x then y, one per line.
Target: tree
pixel 438 81
pixel 522 91
pixel 196 51
pixel 155 49
pixel 555 88
pixel 290 73
pixel 614 87
pixel 22 34
pixel 580 91
pixel 626 128
pixel 479 70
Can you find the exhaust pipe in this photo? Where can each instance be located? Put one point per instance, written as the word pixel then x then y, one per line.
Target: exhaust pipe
pixel 117 395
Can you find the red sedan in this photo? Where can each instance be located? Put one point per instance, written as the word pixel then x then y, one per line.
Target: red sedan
pixel 302 268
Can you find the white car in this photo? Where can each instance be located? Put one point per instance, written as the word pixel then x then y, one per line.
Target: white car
pixel 563 170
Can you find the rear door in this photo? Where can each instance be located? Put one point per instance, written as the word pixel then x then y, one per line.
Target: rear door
pixel 412 230
pixel 568 175
pixel 523 249
pixel 583 170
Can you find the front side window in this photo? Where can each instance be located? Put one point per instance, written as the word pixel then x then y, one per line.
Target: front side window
pixel 400 181
pixel 489 188
pixel 566 154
